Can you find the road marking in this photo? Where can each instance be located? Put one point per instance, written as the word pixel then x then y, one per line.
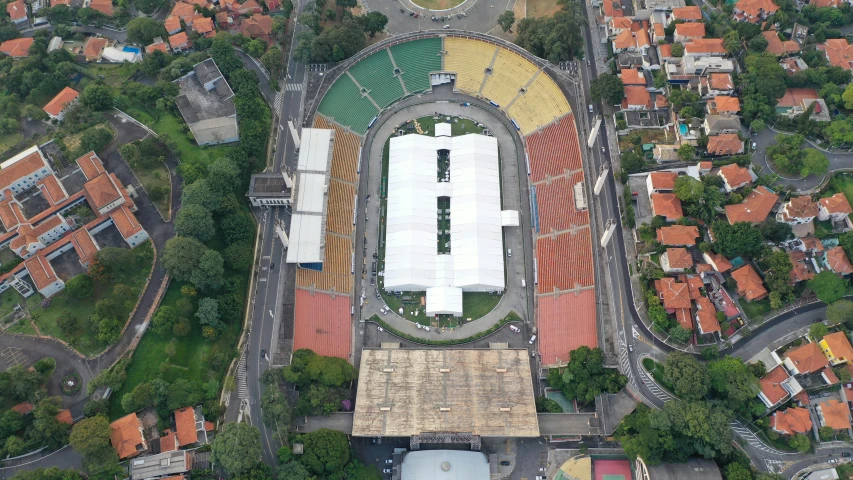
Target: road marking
pixel 13 356
pixel 754 441
pixel 653 387
pixel 277 103
pixel 293 87
pixel 242 384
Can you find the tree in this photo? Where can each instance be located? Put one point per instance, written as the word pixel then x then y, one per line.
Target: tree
pixel 116 261
pixel 828 286
pixel 208 273
pixel 774 231
pixel 607 88
pixel 740 238
pixel 45 365
pixel 238 228
pixel 95 139
pixel 556 38
pixel 293 471
pixel 338 42
pixel 326 452
pixel 182 327
pixel 272 60
pixel 52 473
pixel 688 189
pixel 839 311
pixel 208 312
pixel 814 162
pixel 677 50
pixel 547 405
pixel 817 331
pixel 195 221
pixel 97 97
pixel 181 257
pixel 732 380
pixel 24 383
pixel 758 44
pixel 800 442
pixel 256 48
pixel 736 471
pixel 307 367
pixel 142 396
pixel 238 256
pixel 91 438
pixel 237 449
pixel 200 193
pixel 345 3
pixel 710 353
pixel 164 319
pixel 506 20
pixel 373 23
pixel 46 430
pixel 585 377
pixel 826 434
pixel 686 152
pixel 143 30
pixel 80 287
pixel 688 377
pixel 777 268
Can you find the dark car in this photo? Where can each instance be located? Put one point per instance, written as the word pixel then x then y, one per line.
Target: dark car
pixel 505 463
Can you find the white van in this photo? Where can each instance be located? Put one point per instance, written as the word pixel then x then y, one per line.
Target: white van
pixel 590 108
pixel 532 339
pixel 523 283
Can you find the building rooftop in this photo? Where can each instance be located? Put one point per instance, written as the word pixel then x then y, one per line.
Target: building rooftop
pixel 725 144
pixel 839 344
pixel 673 294
pixel 663 180
pixel 771 384
pixel 162 464
pixel 666 205
pixel 268 185
pixel 126 436
pixel 678 235
pixel 807 358
pixel 749 284
pixel 836 204
pixel 706 316
pixel 17 48
pixel 837 261
pixel 834 414
pixel 792 420
pixel 485 392
pixel 566 321
pixel 754 208
pixel 679 258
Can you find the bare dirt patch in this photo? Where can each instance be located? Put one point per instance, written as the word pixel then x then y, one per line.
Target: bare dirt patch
pixel 541 8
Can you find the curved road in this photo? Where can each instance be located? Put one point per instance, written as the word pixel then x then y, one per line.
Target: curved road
pixel 838 161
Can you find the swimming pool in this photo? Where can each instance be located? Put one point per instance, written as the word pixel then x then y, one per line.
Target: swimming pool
pixel 682 127
pixel 131 49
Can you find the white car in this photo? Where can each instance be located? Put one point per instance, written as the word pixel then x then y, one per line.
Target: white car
pixel 389 461
pixel 532 339
pixel 380 329
pixel 388 470
pixel 514 328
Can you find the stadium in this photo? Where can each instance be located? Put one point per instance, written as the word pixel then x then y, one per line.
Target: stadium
pixel 364 101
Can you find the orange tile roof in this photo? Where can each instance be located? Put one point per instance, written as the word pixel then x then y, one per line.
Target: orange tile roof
pixel 64 416
pixel 322 323
pixel 795 96
pixel 829 376
pixel 755 8
pixel 172 23
pixel 169 442
pixel 157 47
pixel 706 315
pixel 755 207
pixel 612 8
pixel 836 204
pixel 222 19
pixel 637 96
pixel 663 180
pixel 678 235
pixel 694 29
pixel 53 190
pixel 632 76
pixel 724 104
pixel 209 426
pixel 125 221
pixel 799 271
pixel 178 40
pixel 101 191
pixel 257 26
pixel 621 23
pixel 126 435
pixel 250 5
pixel 792 420
pixel 91 165
pixel 725 144
pixel 812 243
pixel 682 316
pixel 17 48
pixel 184 11
pixel 185 426
pixel 16 10
pixel 565 322
pixel 84 245
pixel 749 284
pixel 23 167
pixel 54 3
pixel 674 295
pixel 800 207
pixel 839 344
pixel 24 407
pixel 558 271
pixel 835 414
pixel 7 215
pixel 735 175
pixel 203 26
pixel 103 6
pixel 665 50
pixel 707 166
pixel 777 46
pixel 694 285
pixel 826 3
pixel 679 258
pixel 94 46
pixel 41 271
pixel 721 81
pixel 28 234
pixel 838 52
pixel 687 13
pixel 666 205
pixel 704 45
pixel 807 358
pixel 838 261
pixel 771 384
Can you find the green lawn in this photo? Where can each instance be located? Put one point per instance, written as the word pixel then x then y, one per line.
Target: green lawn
pixel 113 74
pixel 477 304
pixel 842 182
pixel 9 140
pixel 157 177
pixel 8 300
pixel 61 304
pixel 23 326
pixel 755 310
pixel 459 127
pixel 657 371
pixel 169 126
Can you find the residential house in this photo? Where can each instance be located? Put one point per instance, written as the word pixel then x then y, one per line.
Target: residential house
pixel 797 211
pixel 798 100
pixel 17 13
pixel 811 244
pixel 224 21
pixel 802 269
pixel 636 98
pixel 777 386
pixel 634 40
pixel 838 52
pixel 705 47
pixel 687 14
pixel 717 261
pixel 24 408
pixel 94 48
pixel 734 176
pixel 166 465
pixel 249 8
pixel 837 261
pixel 749 285
pixel 157 46
pixel 688 32
pixel 695 70
pixel 103 6
pixel 827 3
pixel 725 144
pixel 805 359
pixel 717 124
pixel 834 414
pixel 57 107
pixel 173 22
pixel 754 208
pixel 17 48
pixel 127 438
pixel 754 11
pixel 666 153
pixel 617 25
pixel 793 65
pixel 204 26
pixel 836 346
pixel 829 376
pixel 179 42
pixel 611 9
pixel 661 182
pixel 676 260
pixel 706 316
pixel 272 5
pixel 666 205
pixel 791 421
pixel 777 46
pixel 723 105
pixel 658 27
pixel 835 208
pixel 717 84
pixel 678 235
pixel 632 77
pixel 705 167
pixel 675 298
pixel 23 171
pixel 185 11
pixel 258 27
pixel 64 416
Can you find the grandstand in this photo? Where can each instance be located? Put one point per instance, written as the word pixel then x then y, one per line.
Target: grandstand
pixel 322 324
pixel 510 73
pixel 558 271
pixel 554 151
pixel 566 321
pixel 345 104
pixel 344 153
pixel 336 274
pixel 469 59
pixel 416 60
pixel 556 205
pixel 540 104
pixel 375 74
pixel 341 204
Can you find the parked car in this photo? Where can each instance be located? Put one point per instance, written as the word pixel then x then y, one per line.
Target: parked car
pixel 515 329
pixel 380 329
pixel 532 339
pixel 505 463
pixel 389 461
pixel 386 470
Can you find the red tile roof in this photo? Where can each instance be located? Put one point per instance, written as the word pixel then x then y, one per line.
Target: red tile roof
pixel 16 10
pixel 678 235
pixel 836 204
pixel 157 47
pixel 673 295
pixel 777 46
pixel 257 26
pixel 800 272
pixel 812 243
pixel 23 167
pixel 835 414
pixel 771 384
pixel 632 76
pixel 665 50
pixel 168 442
pixel 64 416
pixel 84 245
pixel 323 324
pixel 184 11
pixel 839 345
pixel 103 6
pixel 40 271
pixel 17 48
pixel 173 23
pixel 687 13
pixel 749 284
pixel 666 205
pixel 725 144
pixel 792 420
pixel 94 46
pixel 756 8
pixel 720 262
pixel 807 358
pixel 734 174
pixel 679 258
pixel 637 96
pixel 185 426
pixel 682 316
pixel 829 376
pixel 699 46
pixel 559 271
pixel 53 190
pixel 178 40
pixel 838 261
pixel 126 435
pixel 724 104
pixel 838 52
pixel 693 29
pixel 799 207
pixel 795 96
pixel 566 322
pixel 24 407
pixel 694 285
pixel 101 191
pixel 663 180
pixel 721 81
pixel 755 207
pixel 125 221
pixel 706 315
pixel 203 26
pixel 91 165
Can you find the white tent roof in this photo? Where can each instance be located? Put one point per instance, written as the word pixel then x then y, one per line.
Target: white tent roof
pixel 306 239
pixel 315 150
pixel 115 55
pixel 444 300
pixel 476 261
pixel 509 218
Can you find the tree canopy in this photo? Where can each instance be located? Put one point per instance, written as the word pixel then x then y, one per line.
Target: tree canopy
pixel 585 377
pixel 738 239
pixel 326 452
pixel 607 88
pixel 688 377
pixel 828 286
pixel 237 449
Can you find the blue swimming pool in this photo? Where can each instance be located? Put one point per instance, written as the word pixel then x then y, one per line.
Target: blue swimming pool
pixel 682 127
pixel 131 49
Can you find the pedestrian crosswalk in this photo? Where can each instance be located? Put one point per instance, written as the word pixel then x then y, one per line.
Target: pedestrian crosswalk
pixel 625 363
pixel 242 384
pixel 278 99
pixel 293 87
pixel 653 387
pixel 754 441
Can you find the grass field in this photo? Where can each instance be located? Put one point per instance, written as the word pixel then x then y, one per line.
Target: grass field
pixel 24 326
pixel 755 310
pixel 157 177
pixel 657 371
pixel 168 126
pixel 113 74
pixel 83 340
pixel 542 8
pixel 9 140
